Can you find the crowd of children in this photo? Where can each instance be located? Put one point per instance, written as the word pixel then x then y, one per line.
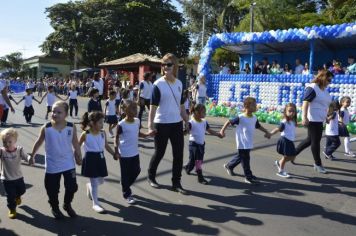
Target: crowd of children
pixel 63 149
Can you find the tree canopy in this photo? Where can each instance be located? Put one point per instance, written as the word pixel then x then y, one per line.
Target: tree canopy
pixel 108 29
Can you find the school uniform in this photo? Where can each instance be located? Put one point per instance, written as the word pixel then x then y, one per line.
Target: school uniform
pixel 146 88
pixel 245 130
pixel 285 144
pixel 94 164
pixel 332 135
pixel 128 149
pixel 28 111
pixel 59 160
pixel 319 101
pixel 201 93
pixel 196 143
pixel 343 132
pixel 110 116
pixel 11 174
pixel 168 97
pixel 51 99
pixel 94 105
pixel 345 115
pixel 73 102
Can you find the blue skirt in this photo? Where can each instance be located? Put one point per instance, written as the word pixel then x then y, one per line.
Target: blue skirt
pixel 94 165
pixel 286 147
pixel 111 119
pixel 343 132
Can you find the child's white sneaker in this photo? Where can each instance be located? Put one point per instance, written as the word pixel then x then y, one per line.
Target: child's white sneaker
pixel 350 154
pixel 283 174
pixel 320 169
pixel 98 209
pixel 131 200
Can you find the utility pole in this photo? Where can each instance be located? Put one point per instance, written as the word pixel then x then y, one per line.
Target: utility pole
pixel 252 15
pixel 203 31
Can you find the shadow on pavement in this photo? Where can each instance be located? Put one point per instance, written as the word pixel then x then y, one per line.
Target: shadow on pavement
pixel 176 216
pixel 83 225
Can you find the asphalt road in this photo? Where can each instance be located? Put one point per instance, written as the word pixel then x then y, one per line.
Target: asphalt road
pixel 306 204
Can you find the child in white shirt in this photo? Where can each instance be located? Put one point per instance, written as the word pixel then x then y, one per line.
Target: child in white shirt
pixel 245 130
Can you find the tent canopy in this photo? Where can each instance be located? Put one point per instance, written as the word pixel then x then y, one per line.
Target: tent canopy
pixel 316 38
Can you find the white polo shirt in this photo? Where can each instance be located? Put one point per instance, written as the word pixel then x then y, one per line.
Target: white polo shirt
pixel 128 135
pixel 168 98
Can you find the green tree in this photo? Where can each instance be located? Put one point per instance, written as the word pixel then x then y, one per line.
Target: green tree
pixel 12 62
pixel 98 29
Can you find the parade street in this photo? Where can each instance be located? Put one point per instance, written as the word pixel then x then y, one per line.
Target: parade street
pixel 308 203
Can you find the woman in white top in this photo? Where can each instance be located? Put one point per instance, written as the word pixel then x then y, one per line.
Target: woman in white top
pixel 200 91
pixel 315 106
pixel 165 121
pixel 144 94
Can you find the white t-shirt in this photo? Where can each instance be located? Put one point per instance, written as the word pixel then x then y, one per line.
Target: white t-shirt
pixel 167 98
pixel 197 130
pixel 299 69
pixel 58 147
pixel 146 89
pixel 345 114
pixel 287 129
pixel 201 90
pixel 28 100
pixel 51 99
pixel 73 94
pixel 245 130
pixel 94 143
pixel 128 134
pixel 318 107
pixel 110 107
pixel 99 85
pixel 332 128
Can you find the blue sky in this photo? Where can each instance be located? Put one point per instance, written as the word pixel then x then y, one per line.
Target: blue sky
pixel 24 26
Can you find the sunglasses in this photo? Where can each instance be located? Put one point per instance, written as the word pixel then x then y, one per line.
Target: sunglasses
pixel 167 64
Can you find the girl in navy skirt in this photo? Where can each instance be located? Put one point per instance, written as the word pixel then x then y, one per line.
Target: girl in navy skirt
pixel 28 111
pixel 332 130
pixel 110 112
pixel 197 128
pixel 94 165
pixel 344 119
pixel 126 148
pixel 285 145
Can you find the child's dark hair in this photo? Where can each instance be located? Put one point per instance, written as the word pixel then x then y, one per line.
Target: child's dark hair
pixel 28 90
pixel 186 94
pixel 50 87
pixel 248 101
pixel 112 93
pixel 196 107
pixel 94 117
pixel 125 93
pixel 127 103
pixel 334 104
pixel 344 98
pixel 295 117
pixel 93 91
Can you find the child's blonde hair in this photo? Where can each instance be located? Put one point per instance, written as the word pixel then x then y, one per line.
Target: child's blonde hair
pixel 62 104
pixel 9 132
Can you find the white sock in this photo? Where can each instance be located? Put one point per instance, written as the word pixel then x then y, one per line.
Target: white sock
pixel 347 144
pixel 94 190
